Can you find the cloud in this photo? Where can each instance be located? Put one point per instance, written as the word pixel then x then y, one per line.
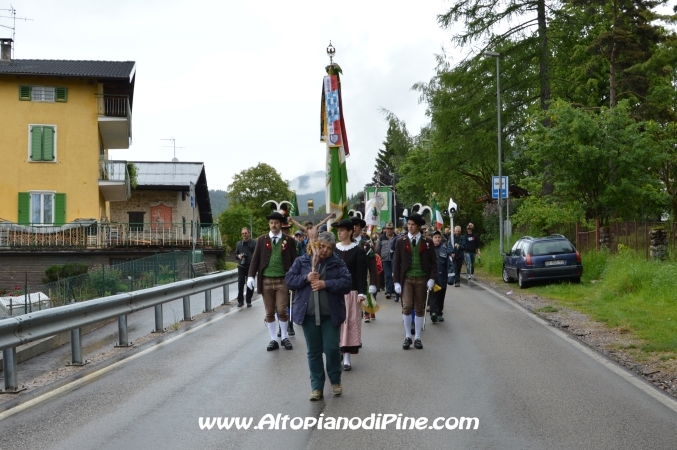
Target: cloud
pixel 238 83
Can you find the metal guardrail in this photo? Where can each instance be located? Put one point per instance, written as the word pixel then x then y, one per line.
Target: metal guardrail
pixel 15 331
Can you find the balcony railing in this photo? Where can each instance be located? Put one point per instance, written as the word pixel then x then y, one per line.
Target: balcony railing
pixel 107 235
pixel 114 105
pixel 113 170
pixel 117 173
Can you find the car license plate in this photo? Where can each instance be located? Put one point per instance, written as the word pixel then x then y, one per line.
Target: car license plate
pixel 557 262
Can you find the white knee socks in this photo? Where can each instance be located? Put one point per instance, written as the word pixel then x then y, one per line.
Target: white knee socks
pixel 283 329
pixel 346 359
pixel 407 324
pixel 418 325
pixel 272 329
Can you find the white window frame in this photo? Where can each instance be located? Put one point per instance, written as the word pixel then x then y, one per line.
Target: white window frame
pixel 30 142
pixel 42 89
pixel 42 208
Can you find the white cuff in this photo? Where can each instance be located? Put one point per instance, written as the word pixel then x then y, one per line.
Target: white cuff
pixel 372 289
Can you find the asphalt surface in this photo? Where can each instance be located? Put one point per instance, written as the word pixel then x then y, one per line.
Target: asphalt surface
pixel 139 324
pixel 530 387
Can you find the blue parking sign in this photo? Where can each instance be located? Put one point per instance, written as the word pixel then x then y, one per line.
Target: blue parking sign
pixel 495 186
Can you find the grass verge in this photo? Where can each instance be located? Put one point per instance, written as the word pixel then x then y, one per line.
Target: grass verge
pixel 623 291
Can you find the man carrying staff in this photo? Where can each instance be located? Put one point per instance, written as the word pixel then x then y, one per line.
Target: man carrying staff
pixel 414 273
pixel 273 257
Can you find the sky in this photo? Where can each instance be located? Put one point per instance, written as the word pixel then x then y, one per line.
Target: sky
pixel 238 83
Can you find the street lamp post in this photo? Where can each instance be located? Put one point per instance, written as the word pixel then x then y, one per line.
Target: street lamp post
pixel 500 165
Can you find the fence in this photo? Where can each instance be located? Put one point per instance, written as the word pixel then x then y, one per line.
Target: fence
pixel 102 281
pixel 633 235
pixel 88 234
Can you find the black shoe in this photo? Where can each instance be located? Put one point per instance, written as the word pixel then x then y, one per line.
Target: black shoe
pixel 407 343
pixel 286 344
pixel 273 346
pixel 457 284
pixel 347 367
pixel 240 305
pixel 418 344
pixel 397 299
pixel 388 296
pixel 433 318
pixel 441 319
pixel 291 331
pixel 249 305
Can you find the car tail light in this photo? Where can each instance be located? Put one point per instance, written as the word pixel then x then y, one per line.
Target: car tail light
pixel 528 262
pixel 578 256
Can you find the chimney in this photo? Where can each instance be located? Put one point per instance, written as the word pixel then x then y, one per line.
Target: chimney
pixel 5 49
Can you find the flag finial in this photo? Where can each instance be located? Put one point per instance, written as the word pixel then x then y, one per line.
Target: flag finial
pixel 331 51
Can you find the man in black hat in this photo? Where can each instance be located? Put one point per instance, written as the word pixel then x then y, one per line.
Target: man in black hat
pixel 273 257
pixel 414 273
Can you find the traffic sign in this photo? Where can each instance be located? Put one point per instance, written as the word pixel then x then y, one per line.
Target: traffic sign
pixel 495 186
pixel 192 194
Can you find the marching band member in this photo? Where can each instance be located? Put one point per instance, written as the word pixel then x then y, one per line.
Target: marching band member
pixel 414 273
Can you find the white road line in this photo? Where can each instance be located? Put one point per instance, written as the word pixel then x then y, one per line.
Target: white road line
pixel 94 375
pixel 632 378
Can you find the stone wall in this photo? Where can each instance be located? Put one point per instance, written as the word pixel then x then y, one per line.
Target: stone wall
pixel 659 244
pixel 142 201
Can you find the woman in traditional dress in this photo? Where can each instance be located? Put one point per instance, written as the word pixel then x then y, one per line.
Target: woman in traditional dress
pixel 355 259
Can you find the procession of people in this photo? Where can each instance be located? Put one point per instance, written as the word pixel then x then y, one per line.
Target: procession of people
pixel 326 282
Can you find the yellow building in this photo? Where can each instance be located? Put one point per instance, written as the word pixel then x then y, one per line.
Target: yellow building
pixel 57 121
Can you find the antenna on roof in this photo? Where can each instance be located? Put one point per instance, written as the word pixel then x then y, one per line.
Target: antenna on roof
pixel 172 146
pixel 14 18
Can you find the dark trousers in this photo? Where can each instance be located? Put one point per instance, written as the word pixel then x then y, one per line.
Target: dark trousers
pixel 241 281
pixel 322 338
pixel 388 272
pixel 436 301
pixel 458 263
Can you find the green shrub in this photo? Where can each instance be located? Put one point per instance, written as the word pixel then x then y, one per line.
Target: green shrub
pixel 57 272
pixel 105 281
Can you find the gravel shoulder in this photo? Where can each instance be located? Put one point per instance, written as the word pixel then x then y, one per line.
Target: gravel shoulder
pixel 618 344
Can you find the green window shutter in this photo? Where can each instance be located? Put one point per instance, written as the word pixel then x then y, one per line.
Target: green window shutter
pixel 25 93
pixel 24 208
pixel 59 209
pixel 36 143
pixel 61 94
pixel 48 143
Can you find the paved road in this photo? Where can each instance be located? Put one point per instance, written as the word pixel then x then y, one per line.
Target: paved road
pixel 530 386
pixel 139 324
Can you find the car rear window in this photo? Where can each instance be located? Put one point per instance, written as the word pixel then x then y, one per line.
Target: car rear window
pixel 551 248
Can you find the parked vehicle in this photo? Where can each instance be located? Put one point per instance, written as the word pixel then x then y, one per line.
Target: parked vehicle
pixel 545 258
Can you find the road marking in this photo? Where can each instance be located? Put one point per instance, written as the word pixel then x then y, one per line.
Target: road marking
pixel 94 375
pixel 631 377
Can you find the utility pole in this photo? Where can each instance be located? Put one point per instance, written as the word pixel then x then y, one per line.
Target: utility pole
pixel 500 171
